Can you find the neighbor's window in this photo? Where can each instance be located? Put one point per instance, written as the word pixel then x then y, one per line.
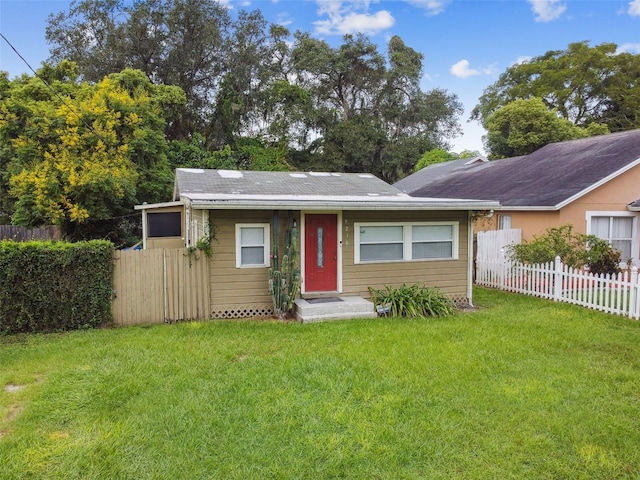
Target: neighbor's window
pixel 388 242
pixel 617 230
pixel 252 245
pixel 164 224
pixel 504 222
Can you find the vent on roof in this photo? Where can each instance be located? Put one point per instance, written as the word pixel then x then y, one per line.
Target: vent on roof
pixel 298 175
pixel 230 173
pixel 320 174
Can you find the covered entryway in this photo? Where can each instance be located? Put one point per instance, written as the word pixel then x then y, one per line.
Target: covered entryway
pixel 321 252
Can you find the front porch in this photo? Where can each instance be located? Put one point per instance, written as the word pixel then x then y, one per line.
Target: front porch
pixel 308 310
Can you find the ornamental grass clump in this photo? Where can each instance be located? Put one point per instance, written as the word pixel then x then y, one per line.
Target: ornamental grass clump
pixel 413 301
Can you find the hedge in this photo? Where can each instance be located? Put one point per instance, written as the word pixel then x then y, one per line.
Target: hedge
pixel 55 286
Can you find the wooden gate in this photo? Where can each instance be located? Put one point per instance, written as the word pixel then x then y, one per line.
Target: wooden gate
pixel 160 285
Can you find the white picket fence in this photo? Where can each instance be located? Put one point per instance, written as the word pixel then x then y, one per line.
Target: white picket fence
pixel 618 294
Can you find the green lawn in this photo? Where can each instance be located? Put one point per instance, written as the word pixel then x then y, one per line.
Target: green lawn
pixel 522 388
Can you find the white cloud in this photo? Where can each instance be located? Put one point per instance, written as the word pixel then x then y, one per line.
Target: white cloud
pixel 462 69
pixel 634 8
pixel 351 16
pixel 433 7
pixel 547 10
pixel 628 48
pixel 522 59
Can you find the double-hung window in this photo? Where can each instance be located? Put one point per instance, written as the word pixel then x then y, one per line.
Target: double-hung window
pixel 618 230
pixel 252 245
pixel 399 242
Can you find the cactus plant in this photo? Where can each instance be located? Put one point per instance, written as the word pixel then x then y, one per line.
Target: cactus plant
pixel 284 276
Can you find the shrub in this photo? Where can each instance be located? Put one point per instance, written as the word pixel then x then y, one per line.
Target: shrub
pixel 574 249
pixel 413 301
pixel 602 257
pixel 55 286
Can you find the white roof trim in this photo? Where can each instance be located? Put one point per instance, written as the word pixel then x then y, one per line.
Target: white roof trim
pixel 591 188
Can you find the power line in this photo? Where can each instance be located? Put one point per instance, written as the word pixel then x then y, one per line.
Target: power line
pixel 69 106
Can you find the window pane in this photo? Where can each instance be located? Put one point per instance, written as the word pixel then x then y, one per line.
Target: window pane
pixel 600 227
pixel 371 234
pixel 252 236
pixel 252 256
pixel 166 224
pixel 622 227
pixel 432 250
pixel 320 247
pixel 625 249
pixel 424 233
pixel 384 251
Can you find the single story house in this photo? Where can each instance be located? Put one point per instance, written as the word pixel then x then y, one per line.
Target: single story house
pixel 592 183
pixel 355 232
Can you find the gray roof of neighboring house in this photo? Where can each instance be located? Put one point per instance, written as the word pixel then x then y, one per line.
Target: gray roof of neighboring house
pixel 548 178
pixel 634 206
pixel 298 190
pixel 437 171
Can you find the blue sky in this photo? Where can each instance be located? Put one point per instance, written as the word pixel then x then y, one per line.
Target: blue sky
pixel 466 43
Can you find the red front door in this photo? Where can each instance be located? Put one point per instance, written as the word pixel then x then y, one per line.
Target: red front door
pixel 321 253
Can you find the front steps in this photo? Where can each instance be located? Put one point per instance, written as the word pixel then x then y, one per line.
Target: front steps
pixel 333 308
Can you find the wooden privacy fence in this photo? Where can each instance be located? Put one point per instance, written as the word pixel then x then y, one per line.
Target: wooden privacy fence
pixel 160 285
pixel 618 293
pixel 23 234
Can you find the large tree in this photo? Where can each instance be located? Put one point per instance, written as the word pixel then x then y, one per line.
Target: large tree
pixel 524 126
pixel 582 84
pixel 369 111
pixel 174 42
pixel 80 155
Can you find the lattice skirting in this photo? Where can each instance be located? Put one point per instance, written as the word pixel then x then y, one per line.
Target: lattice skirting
pixel 459 300
pixel 242 311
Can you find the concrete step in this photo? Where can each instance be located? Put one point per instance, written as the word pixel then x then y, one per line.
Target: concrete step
pixel 334 308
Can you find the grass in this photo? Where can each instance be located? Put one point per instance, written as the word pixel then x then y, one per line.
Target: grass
pixel 522 388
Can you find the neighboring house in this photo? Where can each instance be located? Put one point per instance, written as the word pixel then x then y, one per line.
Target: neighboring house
pixel 355 231
pixel 591 183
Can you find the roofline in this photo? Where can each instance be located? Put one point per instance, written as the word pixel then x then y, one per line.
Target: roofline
pixel 529 208
pixel 633 209
pixel 601 182
pixel 260 202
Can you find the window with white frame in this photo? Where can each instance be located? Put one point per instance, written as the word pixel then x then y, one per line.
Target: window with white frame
pixel 252 245
pixel 504 222
pixel 618 230
pixel 389 242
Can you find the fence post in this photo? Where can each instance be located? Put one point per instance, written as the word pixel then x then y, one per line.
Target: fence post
pixel 502 280
pixel 633 293
pixel 557 280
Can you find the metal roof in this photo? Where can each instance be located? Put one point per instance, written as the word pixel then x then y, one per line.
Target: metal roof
pixel 548 178
pixel 303 190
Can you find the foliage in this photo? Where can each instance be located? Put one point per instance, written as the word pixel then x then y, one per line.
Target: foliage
pixel 54 286
pixel 574 249
pixel 308 104
pixel 284 275
pixel 82 161
pixel 437 155
pixel 582 84
pixel 414 301
pixel 602 257
pixel 524 126
pixel 370 114
pixel 247 154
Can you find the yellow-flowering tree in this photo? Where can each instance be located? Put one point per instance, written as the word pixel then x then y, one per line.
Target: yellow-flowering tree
pixel 80 155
